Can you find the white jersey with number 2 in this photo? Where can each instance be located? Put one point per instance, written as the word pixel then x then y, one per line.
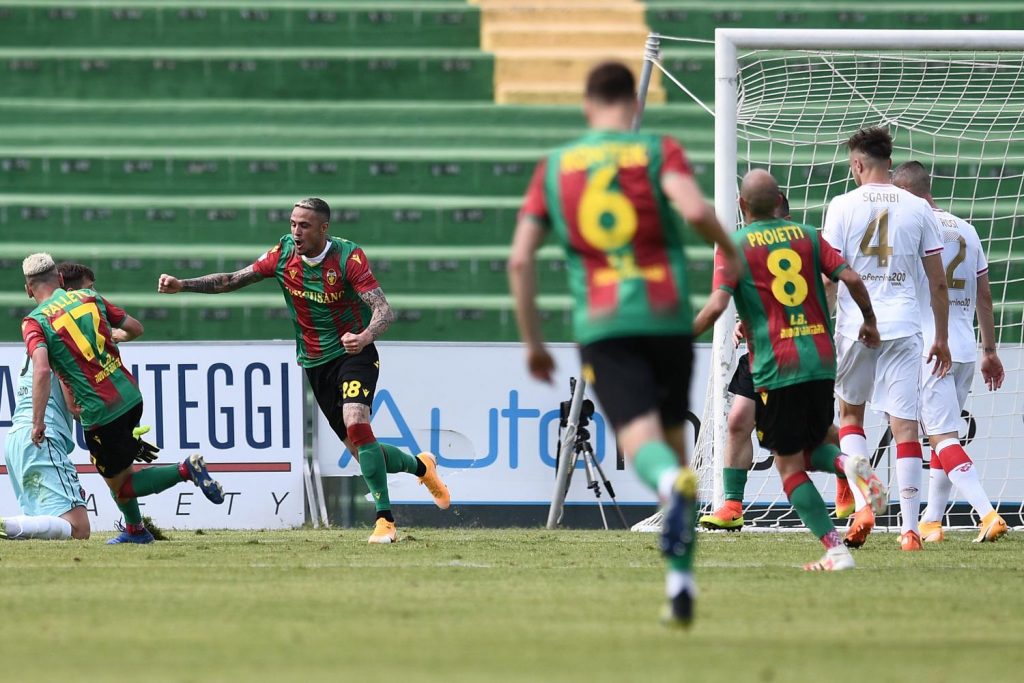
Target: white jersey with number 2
pixel 963 261
pixel 883 232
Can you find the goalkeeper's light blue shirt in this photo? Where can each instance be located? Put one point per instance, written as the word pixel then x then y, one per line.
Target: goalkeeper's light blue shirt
pixel 58 419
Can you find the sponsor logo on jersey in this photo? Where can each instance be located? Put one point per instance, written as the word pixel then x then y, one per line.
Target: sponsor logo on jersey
pixel 292 272
pixel 332 276
pixel 355 257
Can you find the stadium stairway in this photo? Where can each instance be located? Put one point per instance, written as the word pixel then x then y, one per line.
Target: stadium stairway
pixel 172 136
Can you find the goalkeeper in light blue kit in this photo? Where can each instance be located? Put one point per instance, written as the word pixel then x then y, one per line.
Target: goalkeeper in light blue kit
pixel 44 479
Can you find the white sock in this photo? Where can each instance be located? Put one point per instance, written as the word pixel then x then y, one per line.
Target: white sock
pixel 676 582
pixel 666 482
pixel 42 526
pixel 855 444
pixel 964 476
pixel 939 487
pixel 908 476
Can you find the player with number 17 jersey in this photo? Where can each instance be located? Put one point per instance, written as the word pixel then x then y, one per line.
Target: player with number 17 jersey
pixel 84 356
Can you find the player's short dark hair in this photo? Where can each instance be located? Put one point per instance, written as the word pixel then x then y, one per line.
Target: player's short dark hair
pixel 782 210
pixel 317 206
pixel 75 274
pixel 611 83
pixel 874 142
pixel 913 177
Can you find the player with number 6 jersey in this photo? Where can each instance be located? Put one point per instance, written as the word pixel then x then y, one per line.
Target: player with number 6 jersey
pixel 608 198
pixel 72 332
pixel 942 398
pixel 781 301
pixel 891 238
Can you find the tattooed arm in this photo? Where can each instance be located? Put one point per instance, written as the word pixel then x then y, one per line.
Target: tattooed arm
pixel 215 283
pixel 383 316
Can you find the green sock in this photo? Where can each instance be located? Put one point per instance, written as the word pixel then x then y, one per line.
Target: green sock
pixel 823 459
pixel 130 509
pixel 653 460
pixel 155 479
pixel 373 465
pixel 396 460
pixel 808 504
pixel 684 562
pixel 734 481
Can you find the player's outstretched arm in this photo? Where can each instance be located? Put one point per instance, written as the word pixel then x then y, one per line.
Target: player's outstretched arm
pixel 522 280
pixel 859 293
pixel 381 319
pixel 715 306
pixel 215 283
pixel 991 367
pixel 940 310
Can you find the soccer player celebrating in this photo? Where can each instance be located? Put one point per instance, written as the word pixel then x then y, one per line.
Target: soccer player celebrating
pixel 608 198
pixel 781 301
pixel 942 398
pixel 739 449
pixel 70 331
pixel 891 238
pixel 339 310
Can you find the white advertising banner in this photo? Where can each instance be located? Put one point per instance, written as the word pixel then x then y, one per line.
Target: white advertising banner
pixel 991 429
pixel 238 404
pixel 493 428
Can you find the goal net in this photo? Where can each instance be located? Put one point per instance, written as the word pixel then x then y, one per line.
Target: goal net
pixel 787 101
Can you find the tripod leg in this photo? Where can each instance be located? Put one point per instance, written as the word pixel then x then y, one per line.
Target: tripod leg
pixel 611 493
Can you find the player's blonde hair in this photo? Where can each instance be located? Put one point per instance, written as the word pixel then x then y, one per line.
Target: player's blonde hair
pixel 35 265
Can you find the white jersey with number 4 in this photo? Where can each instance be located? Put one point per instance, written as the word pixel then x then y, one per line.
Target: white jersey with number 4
pixel 963 261
pixel 883 232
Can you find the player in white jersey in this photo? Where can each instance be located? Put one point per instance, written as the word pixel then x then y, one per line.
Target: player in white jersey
pixel 942 399
pixel 891 238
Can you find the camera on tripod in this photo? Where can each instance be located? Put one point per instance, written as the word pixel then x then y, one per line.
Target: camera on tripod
pixel 576 448
pixel 586 410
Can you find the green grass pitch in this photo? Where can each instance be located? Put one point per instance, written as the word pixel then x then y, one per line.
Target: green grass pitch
pixel 488 605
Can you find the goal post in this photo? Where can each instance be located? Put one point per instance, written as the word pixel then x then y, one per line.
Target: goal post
pixel 787 100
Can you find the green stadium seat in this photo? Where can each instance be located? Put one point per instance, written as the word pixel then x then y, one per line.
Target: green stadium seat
pixel 348 24
pixel 286 73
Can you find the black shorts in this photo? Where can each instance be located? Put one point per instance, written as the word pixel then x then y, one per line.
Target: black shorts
pixel 795 418
pixel 632 376
pixel 346 379
pixel 113 447
pixel 742 383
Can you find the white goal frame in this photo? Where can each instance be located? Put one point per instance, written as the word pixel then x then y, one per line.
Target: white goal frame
pixel 728 43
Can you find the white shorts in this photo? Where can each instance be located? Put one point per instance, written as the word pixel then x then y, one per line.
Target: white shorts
pixel 943 399
pixel 888 378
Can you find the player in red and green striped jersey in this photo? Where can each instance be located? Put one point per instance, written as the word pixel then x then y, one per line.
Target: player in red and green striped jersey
pixel 339 310
pixel 608 198
pixel 781 301
pixel 72 332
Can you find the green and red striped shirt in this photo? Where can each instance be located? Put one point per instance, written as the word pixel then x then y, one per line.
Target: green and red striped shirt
pixel 75 329
pixel 781 301
pixel 323 299
pixel 602 196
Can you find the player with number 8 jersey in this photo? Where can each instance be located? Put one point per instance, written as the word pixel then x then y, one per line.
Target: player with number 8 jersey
pixel 72 332
pixel 781 301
